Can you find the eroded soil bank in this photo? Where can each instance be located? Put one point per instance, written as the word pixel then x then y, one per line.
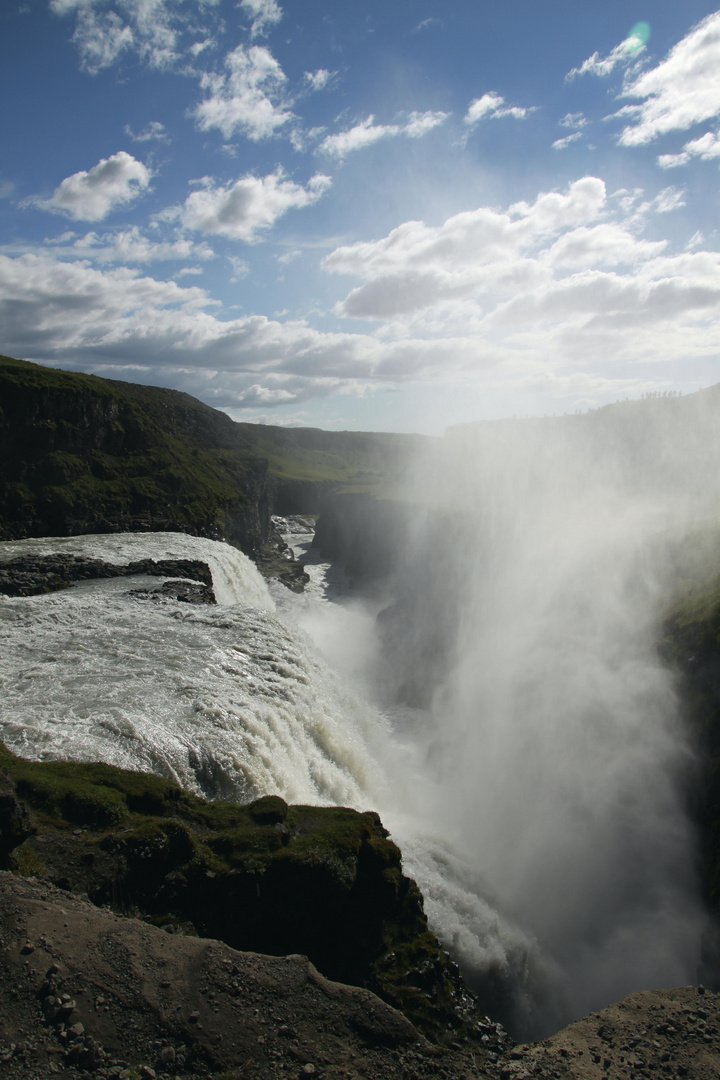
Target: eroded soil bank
pixel 86 992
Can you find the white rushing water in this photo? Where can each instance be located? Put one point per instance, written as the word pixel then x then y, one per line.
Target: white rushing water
pixel 224 699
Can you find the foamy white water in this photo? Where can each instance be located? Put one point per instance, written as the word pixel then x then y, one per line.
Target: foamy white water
pixel 236 580
pixel 226 700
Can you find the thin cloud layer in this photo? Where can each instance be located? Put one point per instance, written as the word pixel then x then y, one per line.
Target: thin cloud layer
pixel 318 80
pixel 132 246
pixel 154 131
pixel 602 66
pixel 105 30
pixel 264 14
pixel 91 196
pixel 560 144
pixel 248 207
pixel 573 120
pixel 368 132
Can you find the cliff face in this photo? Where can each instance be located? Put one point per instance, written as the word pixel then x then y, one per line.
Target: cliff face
pixel 363 534
pixel 691 647
pixel 83 455
pixel 85 993
pixel 268 877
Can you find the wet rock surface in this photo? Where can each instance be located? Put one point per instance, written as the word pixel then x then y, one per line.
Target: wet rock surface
pixel 275 559
pixel 31 575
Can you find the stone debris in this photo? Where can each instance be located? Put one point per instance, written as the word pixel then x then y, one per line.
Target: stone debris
pixel 112 998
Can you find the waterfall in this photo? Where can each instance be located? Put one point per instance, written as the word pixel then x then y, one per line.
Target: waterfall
pixel 524 615
pixel 498 701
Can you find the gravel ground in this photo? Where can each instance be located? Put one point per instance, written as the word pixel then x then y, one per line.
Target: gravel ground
pixel 84 992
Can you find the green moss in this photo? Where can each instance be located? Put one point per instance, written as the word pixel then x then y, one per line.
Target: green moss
pixel 27 862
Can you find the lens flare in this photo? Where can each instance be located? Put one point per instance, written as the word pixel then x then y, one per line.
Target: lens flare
pixel 638 36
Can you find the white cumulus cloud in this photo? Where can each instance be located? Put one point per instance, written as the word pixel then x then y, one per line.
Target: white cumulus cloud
pixel 707 148
pixel 91 196
pixel 681 91
pixel 247 98
pixel 544 291
pixel 249 206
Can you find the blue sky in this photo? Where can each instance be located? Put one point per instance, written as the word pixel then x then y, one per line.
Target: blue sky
pixel 383 216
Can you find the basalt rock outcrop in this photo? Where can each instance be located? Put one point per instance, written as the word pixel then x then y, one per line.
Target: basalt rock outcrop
pixel 326 882
pixel 31 575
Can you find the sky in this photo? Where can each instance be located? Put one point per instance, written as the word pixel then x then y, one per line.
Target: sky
pixel 389 216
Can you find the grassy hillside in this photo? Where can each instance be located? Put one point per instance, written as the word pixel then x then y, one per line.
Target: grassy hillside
pixel 82 454
pixel 352 460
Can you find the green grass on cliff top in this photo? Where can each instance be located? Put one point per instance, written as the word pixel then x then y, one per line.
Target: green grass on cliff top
pixel 353 460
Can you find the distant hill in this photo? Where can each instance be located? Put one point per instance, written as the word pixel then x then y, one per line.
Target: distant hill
pixel 82 454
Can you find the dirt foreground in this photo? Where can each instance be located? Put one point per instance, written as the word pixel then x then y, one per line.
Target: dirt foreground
pixel 84 992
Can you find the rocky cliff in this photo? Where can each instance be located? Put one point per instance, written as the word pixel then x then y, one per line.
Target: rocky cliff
pixel 87 455
pixel 690 646
pixel 83 455
pixel 85 992
pixel 267 877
